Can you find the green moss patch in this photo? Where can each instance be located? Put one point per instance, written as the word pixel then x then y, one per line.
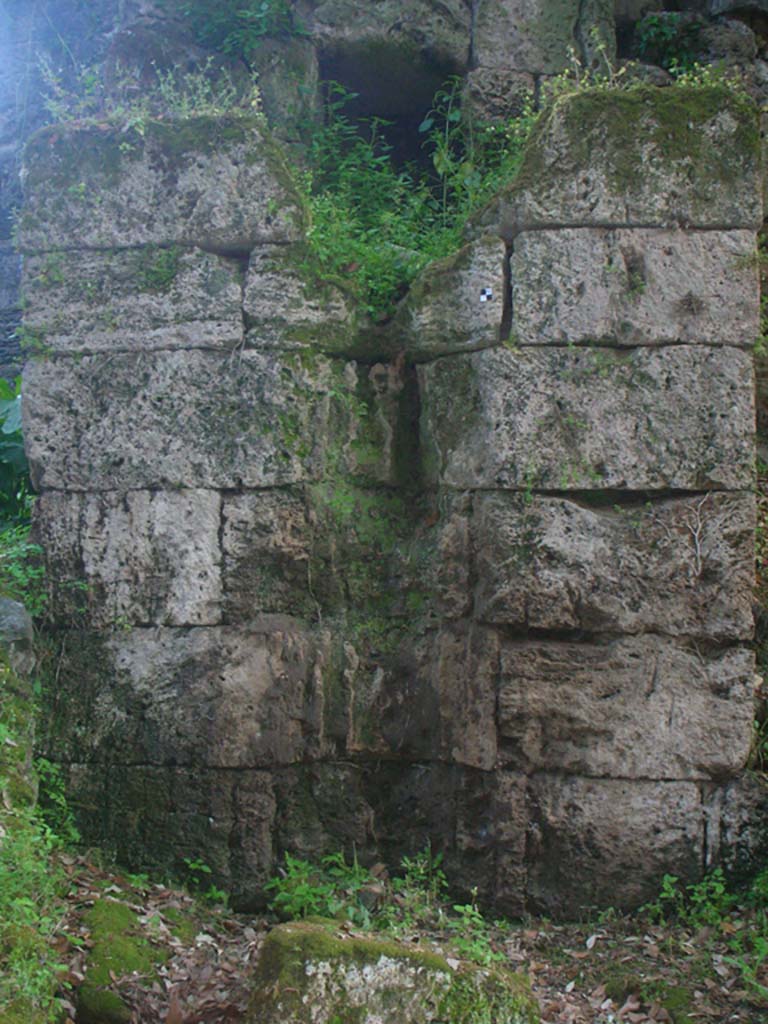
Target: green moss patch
pixel 119 948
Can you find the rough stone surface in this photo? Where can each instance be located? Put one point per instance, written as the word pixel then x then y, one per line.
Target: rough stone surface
pixel 635 287
pixel 194 698
pixel 182 419
pixel 617 858
pixel 17 636
pixel 317 974
pixel 285 308
pixel 457 304
pixel 677 418
pixel 635 708
pixel 217 183
pixel 699 151
pixel 682 567
pixel 133 558
pixel 133 300
pixel 536 35
pixel 471 590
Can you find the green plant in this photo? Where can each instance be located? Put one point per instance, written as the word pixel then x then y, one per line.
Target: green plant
pixel 702 903
pixel 14 473
pixel 374 224
pixel 669 39
pixel 237 27
pixel 53 807
pixel 198 877
pixel 82 95
pixel 330 889
pixel 22 575
pixel 472 933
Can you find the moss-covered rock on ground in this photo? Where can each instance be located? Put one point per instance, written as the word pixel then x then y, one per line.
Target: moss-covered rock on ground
pixel 314 973
pixel 119 948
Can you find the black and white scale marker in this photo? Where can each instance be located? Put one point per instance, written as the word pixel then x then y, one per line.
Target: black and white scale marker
pixel 486 294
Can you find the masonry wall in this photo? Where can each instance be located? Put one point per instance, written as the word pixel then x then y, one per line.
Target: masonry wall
pixel 481 577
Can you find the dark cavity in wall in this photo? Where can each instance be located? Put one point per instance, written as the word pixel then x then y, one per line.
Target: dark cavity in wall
pixel 391 81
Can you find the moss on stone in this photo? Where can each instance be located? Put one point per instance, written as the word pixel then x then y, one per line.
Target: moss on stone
pixel 622 125
pixel 118 948
pixel 294 953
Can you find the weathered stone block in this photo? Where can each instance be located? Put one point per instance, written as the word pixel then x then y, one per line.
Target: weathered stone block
pixel 686 156
pixel 189 419
pixel 637 707
pixel 439 32
pixel 680 567
pixel 285 308
pixel 639 287
pixel 456 304
pixel 219 183
pixel 135 558
pixel 267 545
pixel 335 977
pixel 583 854
pixel 497 93
pixel 536 35
pixel 133 299
pixel 435 698
pixel 155 817
pixel 676 418
pixel 212 697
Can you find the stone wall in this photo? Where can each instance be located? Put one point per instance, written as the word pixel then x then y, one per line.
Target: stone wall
pixel 446 581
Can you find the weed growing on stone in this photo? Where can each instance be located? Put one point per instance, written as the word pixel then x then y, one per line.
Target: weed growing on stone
pixel 238 27
pixel 81 95
pixel 376 224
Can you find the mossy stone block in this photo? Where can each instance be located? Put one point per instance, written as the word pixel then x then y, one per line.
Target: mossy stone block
pixel 687 156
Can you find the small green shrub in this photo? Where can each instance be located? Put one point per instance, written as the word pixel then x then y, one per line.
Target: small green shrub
pixel 374 224
pixel 14 472
pixel 237 27
pixel 668 39
pixel 330 889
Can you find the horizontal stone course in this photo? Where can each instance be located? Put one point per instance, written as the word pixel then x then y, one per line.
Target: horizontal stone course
pixel 636 707
pixel 219 183
pixel 635 287
pixel 585 419
pixel 196 420
pixel 683 566
pixel 133 300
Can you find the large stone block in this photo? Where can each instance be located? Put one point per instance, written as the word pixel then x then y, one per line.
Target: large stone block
pixel 644 157
pixel 683 567
pixel 638 287
pixel 456 304
pixel 133 300
pixel 286 308
pixel 590 419
pixel 609 842
pixel 434 699
pixel 158 817
pixel 537 36
pixel 220 183
pixel 637 707
pixel 135 558
pixel 193 419
pixel 210 697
